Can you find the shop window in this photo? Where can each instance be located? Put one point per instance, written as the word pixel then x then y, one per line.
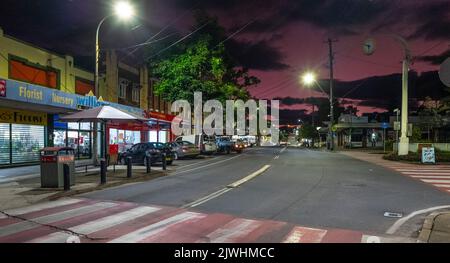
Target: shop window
pixel 73 125
pixel 163 136
pixel 84 143
pixel 25 72
pixel 136 94
pixel 123 84
pixel 4 144
pixel 27 140
pixel 59 138
pixel 86 126
pixel 153 136
pixel 83 87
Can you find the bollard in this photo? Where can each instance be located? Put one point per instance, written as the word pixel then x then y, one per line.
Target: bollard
pixel 66 170
pixel 129 167
pixel 103 171
pixel 148 163
pixel 164 162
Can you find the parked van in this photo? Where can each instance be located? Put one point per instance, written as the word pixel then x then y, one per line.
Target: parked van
pixel 206 144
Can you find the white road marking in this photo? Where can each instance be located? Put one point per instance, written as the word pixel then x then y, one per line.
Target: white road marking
pixel 276 157
pixel 436 181
pixel 48 219
pixel 156 228
pixel 208 165
pixel 421 173
pixel 370 239
pixel 442 185
pixel 430 176
pixel 401 221
pixel 207 198
pixel 227 189
pixel 425 170
pixel 282 150
pixel 250 177
pixel 97 225
pixel 39 207
pixel 305 235
pixel 2 216
pixel 233 230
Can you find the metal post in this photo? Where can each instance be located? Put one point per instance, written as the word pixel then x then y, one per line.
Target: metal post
pixel 403 147
pixel 148 164
pixel 66 169
pixel 331 57
pixel 129 167
pixel 164 162
pixel 102 171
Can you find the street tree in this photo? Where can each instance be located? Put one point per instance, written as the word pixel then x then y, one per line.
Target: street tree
pixel 202 64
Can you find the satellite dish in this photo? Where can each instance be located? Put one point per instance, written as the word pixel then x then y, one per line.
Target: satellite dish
pixel 369 46
pixel 444 72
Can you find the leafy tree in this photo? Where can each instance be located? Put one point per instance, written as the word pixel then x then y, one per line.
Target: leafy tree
pixel 307 131
pixel 204 66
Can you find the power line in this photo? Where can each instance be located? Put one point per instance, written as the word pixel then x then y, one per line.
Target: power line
pixel 180 40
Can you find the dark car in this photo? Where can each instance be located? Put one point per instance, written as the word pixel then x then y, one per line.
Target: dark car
pixel 153 149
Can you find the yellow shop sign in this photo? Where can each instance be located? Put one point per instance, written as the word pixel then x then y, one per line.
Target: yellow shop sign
pixel 22 117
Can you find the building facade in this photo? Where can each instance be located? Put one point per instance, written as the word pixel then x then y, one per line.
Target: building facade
pixel 37 86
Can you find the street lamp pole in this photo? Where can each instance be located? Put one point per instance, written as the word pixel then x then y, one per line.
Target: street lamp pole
pixel 403 146
pixel 97 55
pixel 331 55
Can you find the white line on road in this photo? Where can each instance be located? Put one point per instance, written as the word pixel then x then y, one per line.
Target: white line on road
pixel 250 177
pixel 227 189
pixel 207 198
pixel 208 165
pixel 436 181
pixel 401 221
pixel 430 176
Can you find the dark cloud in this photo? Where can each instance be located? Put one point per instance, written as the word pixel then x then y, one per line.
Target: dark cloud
pixel 433 21
pixel 260 55
pixel 437 59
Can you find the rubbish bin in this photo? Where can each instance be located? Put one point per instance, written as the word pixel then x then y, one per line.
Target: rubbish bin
pixel 53 160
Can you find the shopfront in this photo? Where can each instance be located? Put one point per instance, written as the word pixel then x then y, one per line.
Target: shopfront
pixel 26 112
pixel 22 135
pixel 160 127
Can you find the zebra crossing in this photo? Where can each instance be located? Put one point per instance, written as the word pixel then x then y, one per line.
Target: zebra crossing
pixel 91 221
pixel 435 175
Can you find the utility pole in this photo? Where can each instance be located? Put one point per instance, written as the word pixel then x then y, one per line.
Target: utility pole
pixel 331 59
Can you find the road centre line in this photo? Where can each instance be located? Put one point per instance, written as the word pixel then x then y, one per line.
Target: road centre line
pixel 227 189
pixel 250 177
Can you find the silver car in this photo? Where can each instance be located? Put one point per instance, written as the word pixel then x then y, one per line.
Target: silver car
pixel 184 149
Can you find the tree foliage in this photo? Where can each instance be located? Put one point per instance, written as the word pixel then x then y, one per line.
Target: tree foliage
pixel 202 65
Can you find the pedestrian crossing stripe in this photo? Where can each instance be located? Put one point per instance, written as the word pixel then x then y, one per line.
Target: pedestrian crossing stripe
pixel 89 221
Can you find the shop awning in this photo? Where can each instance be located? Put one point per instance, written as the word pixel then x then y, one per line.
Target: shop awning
pixel 103 113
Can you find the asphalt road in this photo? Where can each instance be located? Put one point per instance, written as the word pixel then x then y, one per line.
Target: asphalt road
pixel 309 188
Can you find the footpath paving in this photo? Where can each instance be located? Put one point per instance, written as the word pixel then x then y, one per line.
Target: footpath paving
pixel 436 228
pixel 27 191
pixel 90 221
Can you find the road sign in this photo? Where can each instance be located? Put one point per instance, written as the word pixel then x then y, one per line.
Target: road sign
pixel 428 155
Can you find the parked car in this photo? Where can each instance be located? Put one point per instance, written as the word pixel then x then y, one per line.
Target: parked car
pixel 184 149
pixel 139 151
pixel 224 144
pixel 205 143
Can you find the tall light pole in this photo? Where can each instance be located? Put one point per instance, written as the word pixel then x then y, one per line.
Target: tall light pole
pixel 331 58
pixel 124 11
pixel 369 49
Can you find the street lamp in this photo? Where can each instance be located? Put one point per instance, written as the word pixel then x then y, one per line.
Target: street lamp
pixel 309 79
pixel 124 11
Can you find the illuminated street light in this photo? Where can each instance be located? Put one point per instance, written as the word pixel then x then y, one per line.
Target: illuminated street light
pixel 309 78
pixel 124 10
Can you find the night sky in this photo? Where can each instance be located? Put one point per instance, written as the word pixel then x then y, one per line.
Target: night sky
pixel 277 39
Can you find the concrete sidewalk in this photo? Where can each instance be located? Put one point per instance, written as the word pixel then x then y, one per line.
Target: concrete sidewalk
pixel 436 228
pixel 28 191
